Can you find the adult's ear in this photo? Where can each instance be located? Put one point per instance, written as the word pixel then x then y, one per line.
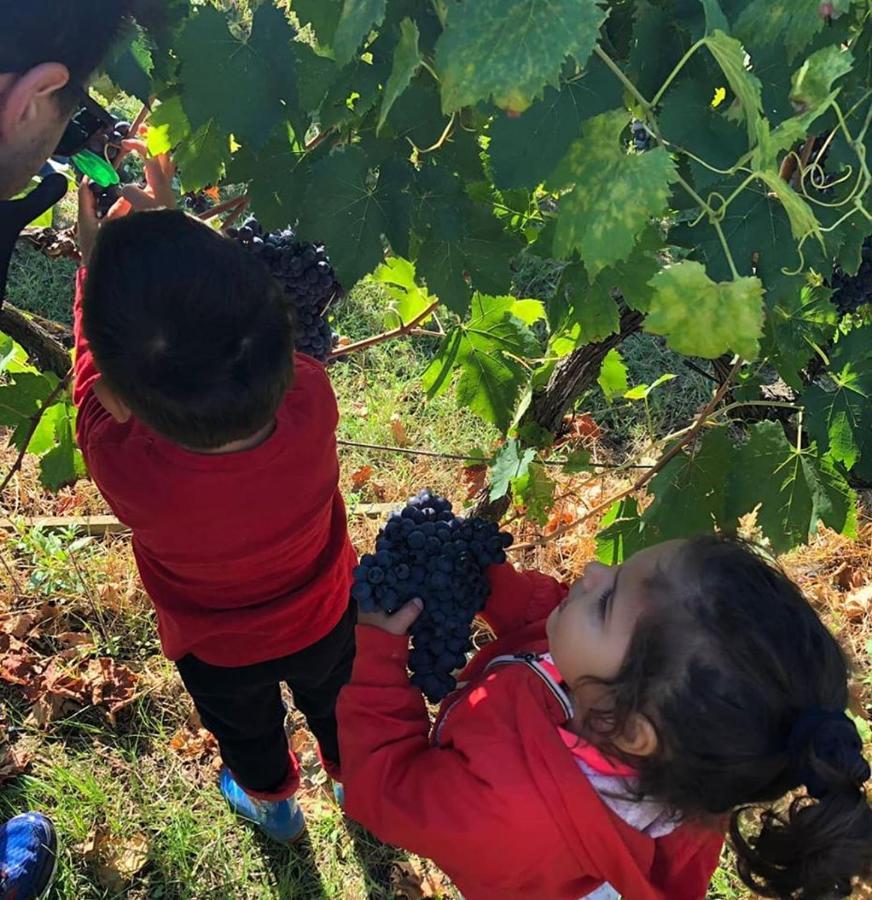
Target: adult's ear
pixel 23 101
pixel 639 737
pixel 112 403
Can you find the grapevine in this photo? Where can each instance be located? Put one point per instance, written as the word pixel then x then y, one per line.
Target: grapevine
pixel 307 277
pixel 850 292
pixel 426 551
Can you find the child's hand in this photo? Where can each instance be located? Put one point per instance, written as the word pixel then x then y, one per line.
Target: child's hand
pixel 399 623
pixel 157 194
pixel 159 172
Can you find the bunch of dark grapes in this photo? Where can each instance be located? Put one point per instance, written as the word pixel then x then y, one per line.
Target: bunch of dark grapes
pixel 426 551
pixel 106 197
pixel 197 202
pixel 850 292
pixel 120 132
pixel 305 272
pixel 641 136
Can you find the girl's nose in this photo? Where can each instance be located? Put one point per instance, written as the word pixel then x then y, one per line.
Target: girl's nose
pixel 596 576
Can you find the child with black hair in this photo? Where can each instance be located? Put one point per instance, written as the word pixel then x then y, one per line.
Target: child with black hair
pixel 215 443
pixel 603 744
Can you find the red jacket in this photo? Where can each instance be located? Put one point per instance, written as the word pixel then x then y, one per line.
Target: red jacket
pixel 246 556
pixel 491 793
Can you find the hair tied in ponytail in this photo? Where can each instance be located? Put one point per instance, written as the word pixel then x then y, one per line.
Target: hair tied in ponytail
pixel 830 738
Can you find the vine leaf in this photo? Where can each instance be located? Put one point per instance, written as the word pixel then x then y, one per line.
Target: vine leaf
pixel 840 420
pixel 322 15
pixel 802 220
pixel 795 489
pixel 613 376
pixel 342 209
pixel 407 58
pixel 701 317
pixel 277 178
pixel 730 56
pixel 524 150
pixel 246 91
pixel 799 323
pixel 202 157
pixel 621 534
pixel 780 23
pixel 589 312
pixel 534 491
pixel 63 464
pixel 615 193
pixel 715 20
pixel 130 69
pixel 689 492
pixel 167 126
pixel 398 277
pixel 511 49
pixel 508 464
pixel 812 83
pixel 356 20
pixel 486 349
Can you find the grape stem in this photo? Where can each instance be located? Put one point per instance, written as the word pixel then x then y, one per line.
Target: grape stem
pixel 235 203
pixel 32 425
pixel 642 480
pixel 406 328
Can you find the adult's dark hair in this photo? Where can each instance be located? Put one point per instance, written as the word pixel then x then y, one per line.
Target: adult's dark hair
pixel 187 328
pixel 747 689
pixel 77 33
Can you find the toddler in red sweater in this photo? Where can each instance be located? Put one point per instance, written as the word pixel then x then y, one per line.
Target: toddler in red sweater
pixel 216 445
pixel 601 746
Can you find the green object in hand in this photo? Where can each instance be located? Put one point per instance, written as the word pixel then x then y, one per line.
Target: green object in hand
pixel 96 168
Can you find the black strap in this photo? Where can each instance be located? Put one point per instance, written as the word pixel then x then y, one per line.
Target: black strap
pixel 15 215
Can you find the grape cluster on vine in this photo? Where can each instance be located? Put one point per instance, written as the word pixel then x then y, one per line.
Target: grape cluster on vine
pixel 198 202
pixel 307 276
pixel 850 292
pixel 641 136
pixel 427 551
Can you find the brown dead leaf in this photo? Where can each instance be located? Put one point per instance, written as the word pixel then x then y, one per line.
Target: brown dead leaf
pixel 582 425
pixel 849 577
pixel 14 761
pixel 558 518
pixel 360 477
pixel 858 603
pixel 411 881
pixel 71 639
pixel 398 430
pixel 112 685
pixel 51 707
pixel 475 478
pixel 115 860
pixel 19 625
pixel 18 663
pixel 193 742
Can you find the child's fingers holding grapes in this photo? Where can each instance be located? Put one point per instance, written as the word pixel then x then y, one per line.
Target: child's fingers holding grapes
pixel 397 623
pixel 89 222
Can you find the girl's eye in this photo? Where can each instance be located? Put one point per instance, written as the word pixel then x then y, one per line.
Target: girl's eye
pixel 603 602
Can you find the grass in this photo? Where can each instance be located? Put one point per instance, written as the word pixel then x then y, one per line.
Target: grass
pixel 151 775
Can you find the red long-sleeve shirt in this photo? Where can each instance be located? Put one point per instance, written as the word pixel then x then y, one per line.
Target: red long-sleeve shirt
pixel 491 793
pixel 246 556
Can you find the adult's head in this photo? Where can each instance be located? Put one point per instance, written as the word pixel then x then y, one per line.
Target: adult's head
pixel 48 50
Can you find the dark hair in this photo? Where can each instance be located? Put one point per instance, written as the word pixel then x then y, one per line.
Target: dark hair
pixel 726 660
pixel 188 328
pixel 76 33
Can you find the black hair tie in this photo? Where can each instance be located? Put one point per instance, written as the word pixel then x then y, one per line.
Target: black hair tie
pixel 831 737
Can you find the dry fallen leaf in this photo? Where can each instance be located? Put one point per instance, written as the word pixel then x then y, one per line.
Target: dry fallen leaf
pixel 474 477
pixel 18 663
pixel 410 881
pixel 112 685
pixel 115 860
pixel 398 430
pixel 14 761
pixel 360 477
pixel 858 603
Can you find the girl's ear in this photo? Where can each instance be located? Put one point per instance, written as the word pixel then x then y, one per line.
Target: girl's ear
pixel 639 737
pixel 112 403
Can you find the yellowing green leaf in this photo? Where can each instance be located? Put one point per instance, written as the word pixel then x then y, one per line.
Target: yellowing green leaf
pixel 615 194
pixel 409 299
pixel 802 220
pixel 730 57
pixel 701 317
pixel 812 83
pixel 509 50
pixel 788 23
pixel 613 376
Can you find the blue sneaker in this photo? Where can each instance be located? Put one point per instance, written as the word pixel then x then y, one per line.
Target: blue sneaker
pixel 281 820
pixel 339 794
pixel 28 857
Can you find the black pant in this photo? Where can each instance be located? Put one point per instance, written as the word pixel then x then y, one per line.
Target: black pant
pixel 243 706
